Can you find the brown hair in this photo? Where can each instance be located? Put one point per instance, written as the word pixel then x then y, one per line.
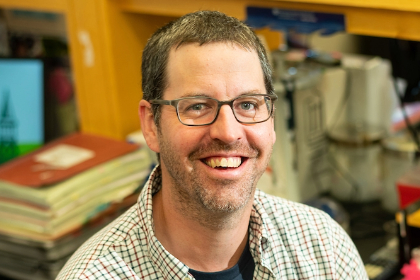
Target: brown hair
pixel 201 27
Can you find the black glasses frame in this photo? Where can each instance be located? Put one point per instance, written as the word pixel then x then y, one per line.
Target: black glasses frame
pixel 174 103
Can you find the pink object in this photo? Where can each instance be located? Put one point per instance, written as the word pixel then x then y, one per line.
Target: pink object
pixel 411 271
pixel 60 85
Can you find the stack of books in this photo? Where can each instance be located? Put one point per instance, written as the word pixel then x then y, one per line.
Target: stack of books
pixel 55 198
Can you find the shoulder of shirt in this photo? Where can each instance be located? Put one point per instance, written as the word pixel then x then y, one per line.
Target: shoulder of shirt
pixel 287 211
pixel 287 222
pixel 292 220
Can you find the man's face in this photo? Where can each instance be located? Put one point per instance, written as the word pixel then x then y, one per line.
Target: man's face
pixel 222 71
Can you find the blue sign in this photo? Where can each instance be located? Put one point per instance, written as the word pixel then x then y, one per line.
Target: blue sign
pixel 304 22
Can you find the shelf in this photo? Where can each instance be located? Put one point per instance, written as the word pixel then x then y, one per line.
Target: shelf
pixel 40 5
pixel 395 5
pixel 393 19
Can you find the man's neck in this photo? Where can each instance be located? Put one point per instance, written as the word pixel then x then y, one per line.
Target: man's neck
pixel 202 246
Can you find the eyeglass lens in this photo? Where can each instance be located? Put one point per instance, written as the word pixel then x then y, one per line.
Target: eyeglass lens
pixel 247 109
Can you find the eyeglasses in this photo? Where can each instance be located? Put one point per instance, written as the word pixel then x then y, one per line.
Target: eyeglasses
pixel 200 110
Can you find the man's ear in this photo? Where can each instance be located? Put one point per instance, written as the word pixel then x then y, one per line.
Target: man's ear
pixel 148 125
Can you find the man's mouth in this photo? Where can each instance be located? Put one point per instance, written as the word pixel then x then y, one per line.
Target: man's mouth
pixel 223 162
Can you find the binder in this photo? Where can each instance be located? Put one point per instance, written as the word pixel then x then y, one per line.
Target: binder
pixel 62 159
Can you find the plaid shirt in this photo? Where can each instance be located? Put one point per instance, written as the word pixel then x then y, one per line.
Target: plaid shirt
pixel 287 240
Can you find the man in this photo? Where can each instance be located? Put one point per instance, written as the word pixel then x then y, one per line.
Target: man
pixel 207 110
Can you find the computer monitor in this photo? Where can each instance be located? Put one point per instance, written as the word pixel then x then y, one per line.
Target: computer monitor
pixel 21 106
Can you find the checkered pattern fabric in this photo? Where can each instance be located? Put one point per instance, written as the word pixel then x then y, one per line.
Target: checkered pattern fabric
pixel 287 240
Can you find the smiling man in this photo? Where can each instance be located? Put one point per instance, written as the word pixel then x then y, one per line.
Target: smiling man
pixel 207 110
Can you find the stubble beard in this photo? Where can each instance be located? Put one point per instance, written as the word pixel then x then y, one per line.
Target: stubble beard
pixel 215 206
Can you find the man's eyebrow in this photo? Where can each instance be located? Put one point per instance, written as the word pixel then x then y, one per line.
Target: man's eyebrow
pixel 195 94
pixel 254 91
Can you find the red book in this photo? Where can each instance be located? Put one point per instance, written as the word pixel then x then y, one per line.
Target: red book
pixel 62 159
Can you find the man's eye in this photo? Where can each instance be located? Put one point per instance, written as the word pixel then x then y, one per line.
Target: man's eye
pixel 196 107
pixel 247 106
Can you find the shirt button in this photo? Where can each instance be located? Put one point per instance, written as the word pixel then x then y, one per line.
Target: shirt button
pixel 187 278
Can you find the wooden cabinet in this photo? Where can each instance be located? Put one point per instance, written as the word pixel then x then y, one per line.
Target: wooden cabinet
pixel 107 36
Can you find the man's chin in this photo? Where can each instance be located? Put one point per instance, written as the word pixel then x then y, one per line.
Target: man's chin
pixel 222 207
pixel 229 201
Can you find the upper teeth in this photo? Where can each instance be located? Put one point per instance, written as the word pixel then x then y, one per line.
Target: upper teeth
pixel 224 162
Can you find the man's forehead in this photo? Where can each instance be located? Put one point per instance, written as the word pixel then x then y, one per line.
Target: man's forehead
pixel 195 69
pixel 194 52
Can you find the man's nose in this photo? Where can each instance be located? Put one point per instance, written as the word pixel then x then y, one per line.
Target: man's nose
pixel 226 128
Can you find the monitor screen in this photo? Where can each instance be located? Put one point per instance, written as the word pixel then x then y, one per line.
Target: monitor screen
pixel 21 106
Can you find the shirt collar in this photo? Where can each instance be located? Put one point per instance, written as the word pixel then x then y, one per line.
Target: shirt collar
pixel 259 232
pixel 267 250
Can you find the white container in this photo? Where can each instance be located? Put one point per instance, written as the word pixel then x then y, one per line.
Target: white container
pixel 355 156
pixel 398 158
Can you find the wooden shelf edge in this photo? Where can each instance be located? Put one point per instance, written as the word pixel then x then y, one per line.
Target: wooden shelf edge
pixel 364 19
pixel 39 5
pixel 401 5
